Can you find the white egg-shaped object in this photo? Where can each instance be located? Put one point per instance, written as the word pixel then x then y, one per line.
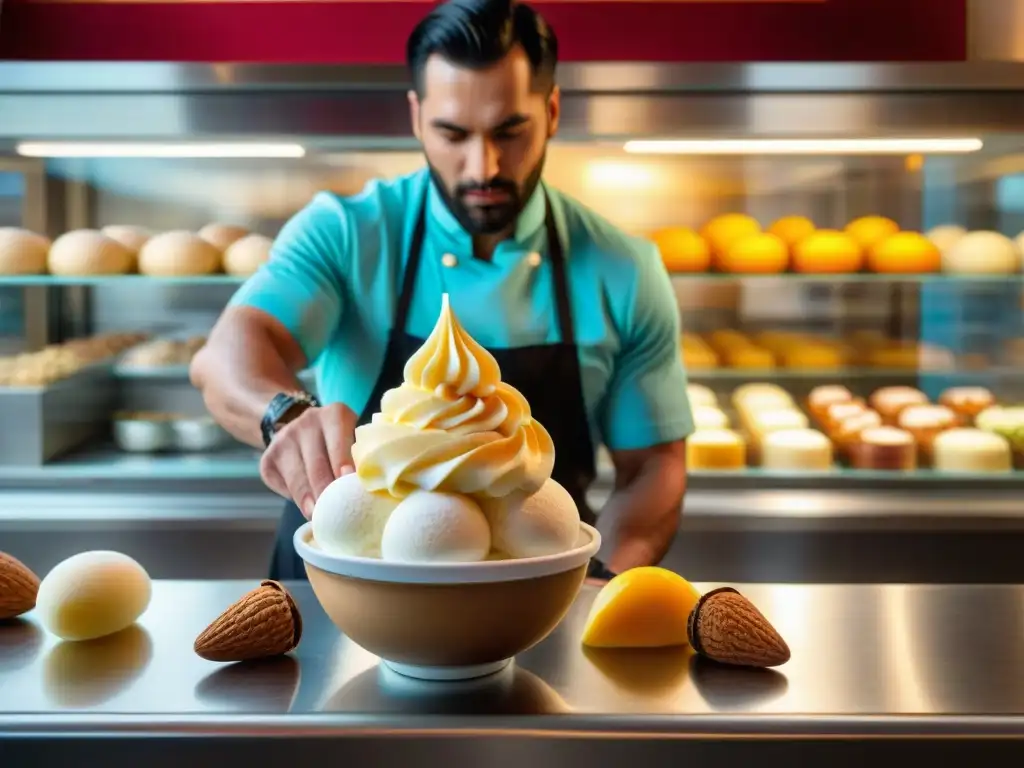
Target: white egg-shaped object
pixel 93 594
pixel 348 520
pixel 544 523
pixel 432 527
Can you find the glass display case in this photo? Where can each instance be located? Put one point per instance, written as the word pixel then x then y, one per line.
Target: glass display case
pixel 845 243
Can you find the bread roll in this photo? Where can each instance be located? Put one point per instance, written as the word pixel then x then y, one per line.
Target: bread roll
pixel 764 422
pixel 886 448
pixel 715 449
pixel 796 450
pixel 945 236
pixel 889 401
pixel 246 255
pixel 1008 423
pixel 131 237
pixel 178 253
pixel 982 252
pixel 836 413
pixel 967 402
pixel 220 236
pixel 22 252
pixel 89 252
pixel 971 450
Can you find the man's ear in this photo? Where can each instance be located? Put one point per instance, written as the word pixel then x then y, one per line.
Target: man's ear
pixel 414 113
pixel 554 111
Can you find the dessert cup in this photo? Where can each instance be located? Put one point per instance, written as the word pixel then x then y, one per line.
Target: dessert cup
pixel 447 621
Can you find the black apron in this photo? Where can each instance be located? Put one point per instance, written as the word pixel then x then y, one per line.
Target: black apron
pixel 548 376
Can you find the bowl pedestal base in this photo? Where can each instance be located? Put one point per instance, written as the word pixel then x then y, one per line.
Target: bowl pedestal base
pixel 447 673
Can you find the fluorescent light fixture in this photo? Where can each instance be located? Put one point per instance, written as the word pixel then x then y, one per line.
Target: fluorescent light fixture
pixel 803 146
pixel 147 149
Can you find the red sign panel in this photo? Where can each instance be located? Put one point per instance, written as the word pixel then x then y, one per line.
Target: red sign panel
pixel 374 32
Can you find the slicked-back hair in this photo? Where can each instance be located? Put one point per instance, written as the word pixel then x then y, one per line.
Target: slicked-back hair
pixel 479 33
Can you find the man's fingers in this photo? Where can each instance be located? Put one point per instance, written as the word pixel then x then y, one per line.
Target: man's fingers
pixel 315 460
pixel 289 464
pixel 338 435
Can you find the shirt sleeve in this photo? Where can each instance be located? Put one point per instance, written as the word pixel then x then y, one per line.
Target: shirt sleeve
pixel 646 402
pixel 302 284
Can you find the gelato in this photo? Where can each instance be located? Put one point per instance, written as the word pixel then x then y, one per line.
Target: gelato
pixel 436 527
pixel 453 425
pixel 452 469
pixel 349 520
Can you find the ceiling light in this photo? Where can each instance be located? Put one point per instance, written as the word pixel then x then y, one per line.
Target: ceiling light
pixel 802 146
pixel 144 149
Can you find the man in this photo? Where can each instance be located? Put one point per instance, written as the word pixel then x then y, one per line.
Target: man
pixel 581 317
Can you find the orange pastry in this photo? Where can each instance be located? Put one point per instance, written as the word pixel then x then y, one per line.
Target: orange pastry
pixel 682 249
pixel 836 413
pixel 889 401
pixel 905 252
pixel 716 449
pixel 884 448
pixel 820 398
pixel 967 402
pixel 812 357
pixel 827 251
pixel 868 230
pixel 749 357
pixel 792 229
pixel 848 431
pixel 925 423
pixel 761 253
pixel 721 231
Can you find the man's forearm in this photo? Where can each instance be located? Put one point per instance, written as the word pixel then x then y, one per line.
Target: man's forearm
pixel 640 519
pixel 238 377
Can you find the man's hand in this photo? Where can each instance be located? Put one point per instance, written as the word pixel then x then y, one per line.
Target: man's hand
pixel 308 454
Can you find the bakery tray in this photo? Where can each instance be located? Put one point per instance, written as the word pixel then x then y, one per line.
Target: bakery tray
pixel 40 424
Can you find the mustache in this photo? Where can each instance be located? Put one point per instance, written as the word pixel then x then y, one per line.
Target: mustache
pixel 494 185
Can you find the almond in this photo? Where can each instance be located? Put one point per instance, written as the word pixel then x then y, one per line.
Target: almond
pixel 264 622
pixel 726 627
pixel 18 587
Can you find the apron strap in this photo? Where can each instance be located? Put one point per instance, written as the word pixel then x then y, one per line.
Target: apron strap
pixel 412 268
pixel 561 284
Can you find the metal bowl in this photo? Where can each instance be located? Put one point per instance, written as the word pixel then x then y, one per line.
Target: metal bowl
pixel 197 434
pixel 143 435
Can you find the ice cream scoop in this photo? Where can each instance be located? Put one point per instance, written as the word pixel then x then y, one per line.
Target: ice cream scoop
pixel 348 520
pixel 542 523
pixel 436 528
pixel 453 426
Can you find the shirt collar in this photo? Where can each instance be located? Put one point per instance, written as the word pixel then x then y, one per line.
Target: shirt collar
pixel 531 218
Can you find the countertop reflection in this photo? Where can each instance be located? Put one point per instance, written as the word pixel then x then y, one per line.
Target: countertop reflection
pixel 945 654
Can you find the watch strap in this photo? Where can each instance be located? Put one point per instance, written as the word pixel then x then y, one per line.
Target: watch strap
pixel 598 570
pixel 279 405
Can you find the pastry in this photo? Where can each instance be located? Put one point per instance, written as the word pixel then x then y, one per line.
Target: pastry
pixel 709 417
pixel 813 357
pixel 220 236
pixel 132 238
pixel 22 252
pixel 988 253
pixel 837 413
pixel 749 357
pixel 763 422
pixel 869 230
pixel 820 398
pixel 848 431
pixel 246 255
pixel 88 252
pixel 178 253
pixel 699 394
pixel 796 449
pixel 967 402
pixel 715 449
pixel 925 423
pixel 971 450
pixel 1008 423
pixel 889 401
pixel 887 448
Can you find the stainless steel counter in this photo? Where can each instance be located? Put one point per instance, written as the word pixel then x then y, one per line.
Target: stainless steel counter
pixel 890 663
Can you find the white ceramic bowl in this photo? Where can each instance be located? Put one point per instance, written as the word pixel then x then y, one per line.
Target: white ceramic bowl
pixel 447 621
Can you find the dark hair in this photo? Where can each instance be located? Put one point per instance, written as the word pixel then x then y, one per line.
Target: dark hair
pixel 478 33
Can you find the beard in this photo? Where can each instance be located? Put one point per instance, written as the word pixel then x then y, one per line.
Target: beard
pixel 488 219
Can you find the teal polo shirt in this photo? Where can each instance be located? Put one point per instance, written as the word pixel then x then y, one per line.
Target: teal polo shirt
pixel 335 272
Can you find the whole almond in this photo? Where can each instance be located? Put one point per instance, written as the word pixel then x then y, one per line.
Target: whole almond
pixel 264 622
pixel 726 627
pixel 18 587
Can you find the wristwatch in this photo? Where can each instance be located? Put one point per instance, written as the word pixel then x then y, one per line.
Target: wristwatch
pixel 283 408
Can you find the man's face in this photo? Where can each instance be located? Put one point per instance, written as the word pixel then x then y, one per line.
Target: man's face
pixel 484 133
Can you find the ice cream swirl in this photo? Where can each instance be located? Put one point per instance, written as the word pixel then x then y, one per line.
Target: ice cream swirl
pixel 453 425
